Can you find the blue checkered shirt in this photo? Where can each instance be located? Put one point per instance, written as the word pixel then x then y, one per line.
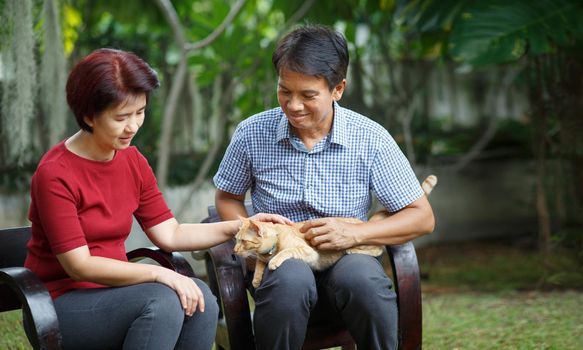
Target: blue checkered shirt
pixel 335 178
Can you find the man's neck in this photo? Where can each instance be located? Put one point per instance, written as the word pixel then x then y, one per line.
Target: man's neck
pixel 311 137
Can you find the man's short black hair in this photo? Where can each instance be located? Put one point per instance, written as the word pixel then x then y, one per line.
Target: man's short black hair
pixel 313 50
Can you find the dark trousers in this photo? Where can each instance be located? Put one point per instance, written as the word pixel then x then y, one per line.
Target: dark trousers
pixel 141 316
pixel 356 291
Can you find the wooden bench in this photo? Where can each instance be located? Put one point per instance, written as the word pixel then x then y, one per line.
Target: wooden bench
pixel 20 288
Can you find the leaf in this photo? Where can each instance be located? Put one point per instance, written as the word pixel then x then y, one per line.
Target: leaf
pixel 72 21
pixel 497 31
pixel 430 15
pixel 321 12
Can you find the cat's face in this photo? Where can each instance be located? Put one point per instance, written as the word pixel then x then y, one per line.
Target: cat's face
pixel 253 238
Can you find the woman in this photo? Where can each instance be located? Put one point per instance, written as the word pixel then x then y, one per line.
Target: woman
pixel 84 193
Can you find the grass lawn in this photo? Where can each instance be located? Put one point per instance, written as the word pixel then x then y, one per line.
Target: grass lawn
pixel 475 296
pixel 514 320
pixel 493 295
pixel 11 333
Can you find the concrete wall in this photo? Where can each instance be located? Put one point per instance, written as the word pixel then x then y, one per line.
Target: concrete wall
pixel 489 199
pixel 14 209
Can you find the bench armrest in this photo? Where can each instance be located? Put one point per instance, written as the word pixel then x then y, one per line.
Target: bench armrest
pixel 19 287
pixel 172 261
pixel 228 285
pixel 408 287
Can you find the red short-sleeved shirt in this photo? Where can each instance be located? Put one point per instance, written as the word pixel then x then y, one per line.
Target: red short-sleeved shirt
pixel 77 202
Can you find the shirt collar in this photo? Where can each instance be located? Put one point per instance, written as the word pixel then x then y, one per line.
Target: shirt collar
pixel 338 133
pixel 283 131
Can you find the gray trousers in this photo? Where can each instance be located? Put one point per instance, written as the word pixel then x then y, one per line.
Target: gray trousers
pixel 355 291
pixel 141 316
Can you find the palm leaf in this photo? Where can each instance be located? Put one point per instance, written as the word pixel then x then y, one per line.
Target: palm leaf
pixel 429 15
pixel 496 31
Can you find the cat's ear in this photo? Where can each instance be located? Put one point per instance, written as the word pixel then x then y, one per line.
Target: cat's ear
pixel 255 227
pixel 244 222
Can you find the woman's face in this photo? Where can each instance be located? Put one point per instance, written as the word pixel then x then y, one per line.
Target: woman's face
pixel 114 128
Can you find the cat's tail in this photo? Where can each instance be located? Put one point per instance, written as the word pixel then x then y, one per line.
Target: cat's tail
pixel 428 184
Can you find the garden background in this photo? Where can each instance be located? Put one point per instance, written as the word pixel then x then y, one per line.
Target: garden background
pixel 487 95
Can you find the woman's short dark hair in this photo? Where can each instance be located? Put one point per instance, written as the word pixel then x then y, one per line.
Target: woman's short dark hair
pixel 313 50
pixel 106 78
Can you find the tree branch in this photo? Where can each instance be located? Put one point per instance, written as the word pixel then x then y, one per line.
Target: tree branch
pixel 168 122
pixel 300 13
pixel 179 78
pixel 221 28
pixel 221 125
pixel 170 13
pixel 492 126
pixel 221 114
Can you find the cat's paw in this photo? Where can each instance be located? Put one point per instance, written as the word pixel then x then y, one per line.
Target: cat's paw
pixel 276 262
pixel 256 282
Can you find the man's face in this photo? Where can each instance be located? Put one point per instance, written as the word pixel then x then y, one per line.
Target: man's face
pixel 307 101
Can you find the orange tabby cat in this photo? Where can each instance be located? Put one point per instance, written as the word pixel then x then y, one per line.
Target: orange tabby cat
pixel 272 244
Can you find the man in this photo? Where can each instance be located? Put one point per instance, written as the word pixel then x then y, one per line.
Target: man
pixel 311 159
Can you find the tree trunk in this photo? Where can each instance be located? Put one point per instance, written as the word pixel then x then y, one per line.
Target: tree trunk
pixel 164 146
pixel 19 85
pixel 221 107
pixel 178 80
pixel 539 118
pixel 569 100
pixel 53 76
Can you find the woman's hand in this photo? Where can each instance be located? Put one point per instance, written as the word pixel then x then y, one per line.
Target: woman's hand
pixel 190 295
pixel 275 218
pixel 330 234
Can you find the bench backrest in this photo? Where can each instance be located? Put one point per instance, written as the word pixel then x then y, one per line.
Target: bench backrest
pixel 213 216
pixel 13 246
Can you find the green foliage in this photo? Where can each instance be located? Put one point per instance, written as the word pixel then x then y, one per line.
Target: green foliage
pixel 495 31
pixel 427 24
pixel 514 136
pixel 495 266
pixel 512 139
pixel 548 34
pixel 425 16
pixel 16 179
pixel 483 268
pixel 71 21
pixel 323 12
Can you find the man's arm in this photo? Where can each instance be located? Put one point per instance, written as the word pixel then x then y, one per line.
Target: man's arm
pixel 230 206
pixel 411 222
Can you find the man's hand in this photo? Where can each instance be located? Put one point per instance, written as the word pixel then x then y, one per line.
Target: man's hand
pixel 330 234
pixel 275 218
